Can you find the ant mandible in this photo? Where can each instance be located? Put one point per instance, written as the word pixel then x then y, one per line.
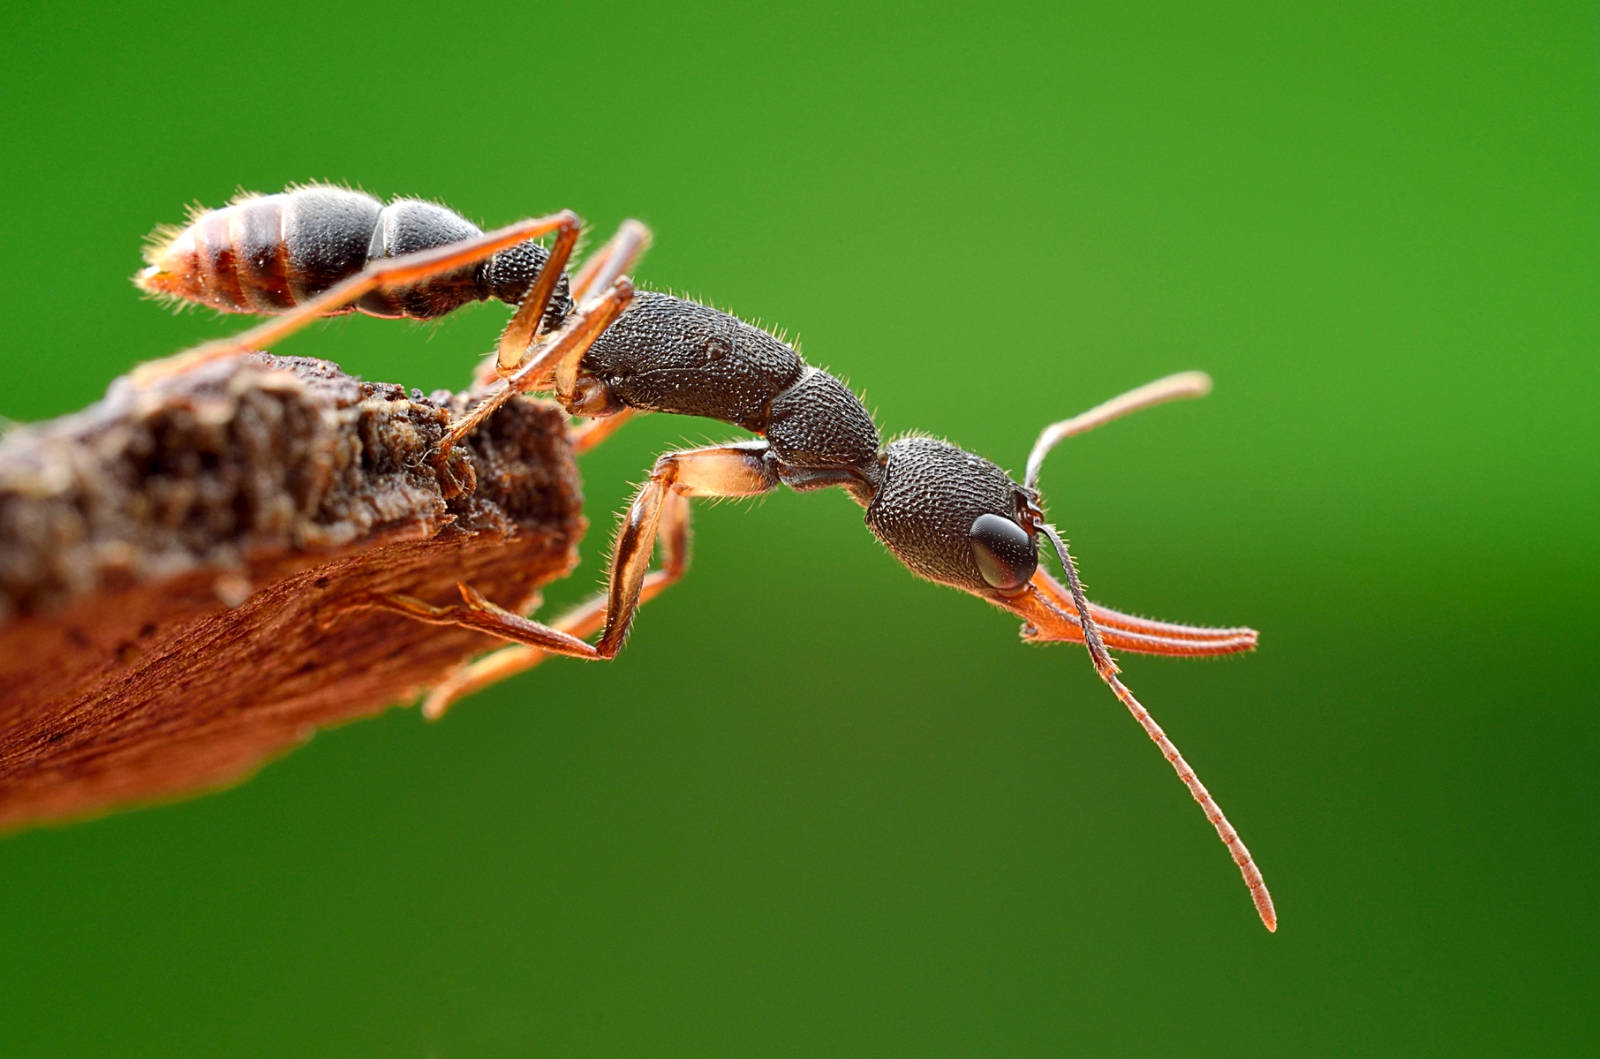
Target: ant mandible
pixel 607 351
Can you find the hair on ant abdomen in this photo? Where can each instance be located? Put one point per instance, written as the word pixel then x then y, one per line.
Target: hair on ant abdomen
pixel 270 253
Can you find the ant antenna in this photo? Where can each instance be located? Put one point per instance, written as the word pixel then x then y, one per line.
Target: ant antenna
pixel 1173 387
pixel 1107 669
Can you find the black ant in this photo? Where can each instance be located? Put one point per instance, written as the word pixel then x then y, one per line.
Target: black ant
pixel 948 515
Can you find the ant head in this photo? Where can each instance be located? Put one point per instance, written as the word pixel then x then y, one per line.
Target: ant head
pixel 956 518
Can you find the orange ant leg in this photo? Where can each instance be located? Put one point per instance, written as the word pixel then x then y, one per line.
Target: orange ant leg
pixel 740 469
pixel 592 432
pixel 599 272
pixel 476 612
pixel 660 510
pixel 582 621
pixel 389 272
pixel 559 357
pixel 523 326
pixel 619 255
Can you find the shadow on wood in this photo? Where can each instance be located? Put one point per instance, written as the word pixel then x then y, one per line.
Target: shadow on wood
pixel 181 570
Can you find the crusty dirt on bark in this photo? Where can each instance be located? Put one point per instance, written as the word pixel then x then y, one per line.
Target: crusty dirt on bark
pixel 181 570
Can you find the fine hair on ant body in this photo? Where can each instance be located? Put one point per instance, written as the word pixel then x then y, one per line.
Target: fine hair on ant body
pixel 607 351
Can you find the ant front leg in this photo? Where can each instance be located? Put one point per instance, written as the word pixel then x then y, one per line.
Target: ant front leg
pixel 737 470
pixel 388 272
pixel 660 510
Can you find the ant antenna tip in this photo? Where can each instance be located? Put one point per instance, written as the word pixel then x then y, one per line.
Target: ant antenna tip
pixel 1168 388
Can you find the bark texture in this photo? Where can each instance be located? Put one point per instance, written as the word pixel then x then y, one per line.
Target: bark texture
pixel 182 570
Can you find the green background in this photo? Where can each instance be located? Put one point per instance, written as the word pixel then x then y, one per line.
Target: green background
pixel 817 806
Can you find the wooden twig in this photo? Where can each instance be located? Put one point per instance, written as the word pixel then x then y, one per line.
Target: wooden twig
pixel 183 569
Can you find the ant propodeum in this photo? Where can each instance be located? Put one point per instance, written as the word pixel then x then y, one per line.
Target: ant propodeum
pixel 607 351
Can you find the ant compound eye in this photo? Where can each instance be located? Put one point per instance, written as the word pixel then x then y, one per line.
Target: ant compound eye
pixel 1006 555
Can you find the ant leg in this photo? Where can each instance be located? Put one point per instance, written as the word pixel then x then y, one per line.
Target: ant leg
pixel 523 327
pixel 737 470
pixel 594 431
pixel 388 272
pixel 475 612
pixel 612 260
pixel 559 357
pixel 599 272
pixel 602 269
pixel 661 509
pixel 582 621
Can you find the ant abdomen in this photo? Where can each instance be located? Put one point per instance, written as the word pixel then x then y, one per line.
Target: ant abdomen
pixel 268 253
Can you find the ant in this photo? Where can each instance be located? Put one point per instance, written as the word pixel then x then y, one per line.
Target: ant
pixel 948 515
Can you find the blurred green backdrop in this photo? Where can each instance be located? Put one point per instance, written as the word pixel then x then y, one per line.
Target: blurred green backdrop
pixel 819 807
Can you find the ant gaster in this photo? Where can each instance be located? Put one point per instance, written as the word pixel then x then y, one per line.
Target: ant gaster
pixel 948 515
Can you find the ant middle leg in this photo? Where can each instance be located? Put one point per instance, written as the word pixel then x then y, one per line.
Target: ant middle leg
pixel 619 254
pixel 592 432
pixel 600 272
pixel 387 272
pixel 660 510
pixel 558 358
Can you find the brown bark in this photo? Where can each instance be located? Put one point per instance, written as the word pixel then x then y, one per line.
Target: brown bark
pixel 182 570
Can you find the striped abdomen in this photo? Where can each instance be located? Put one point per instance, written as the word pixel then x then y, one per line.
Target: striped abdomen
pixel 264 254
